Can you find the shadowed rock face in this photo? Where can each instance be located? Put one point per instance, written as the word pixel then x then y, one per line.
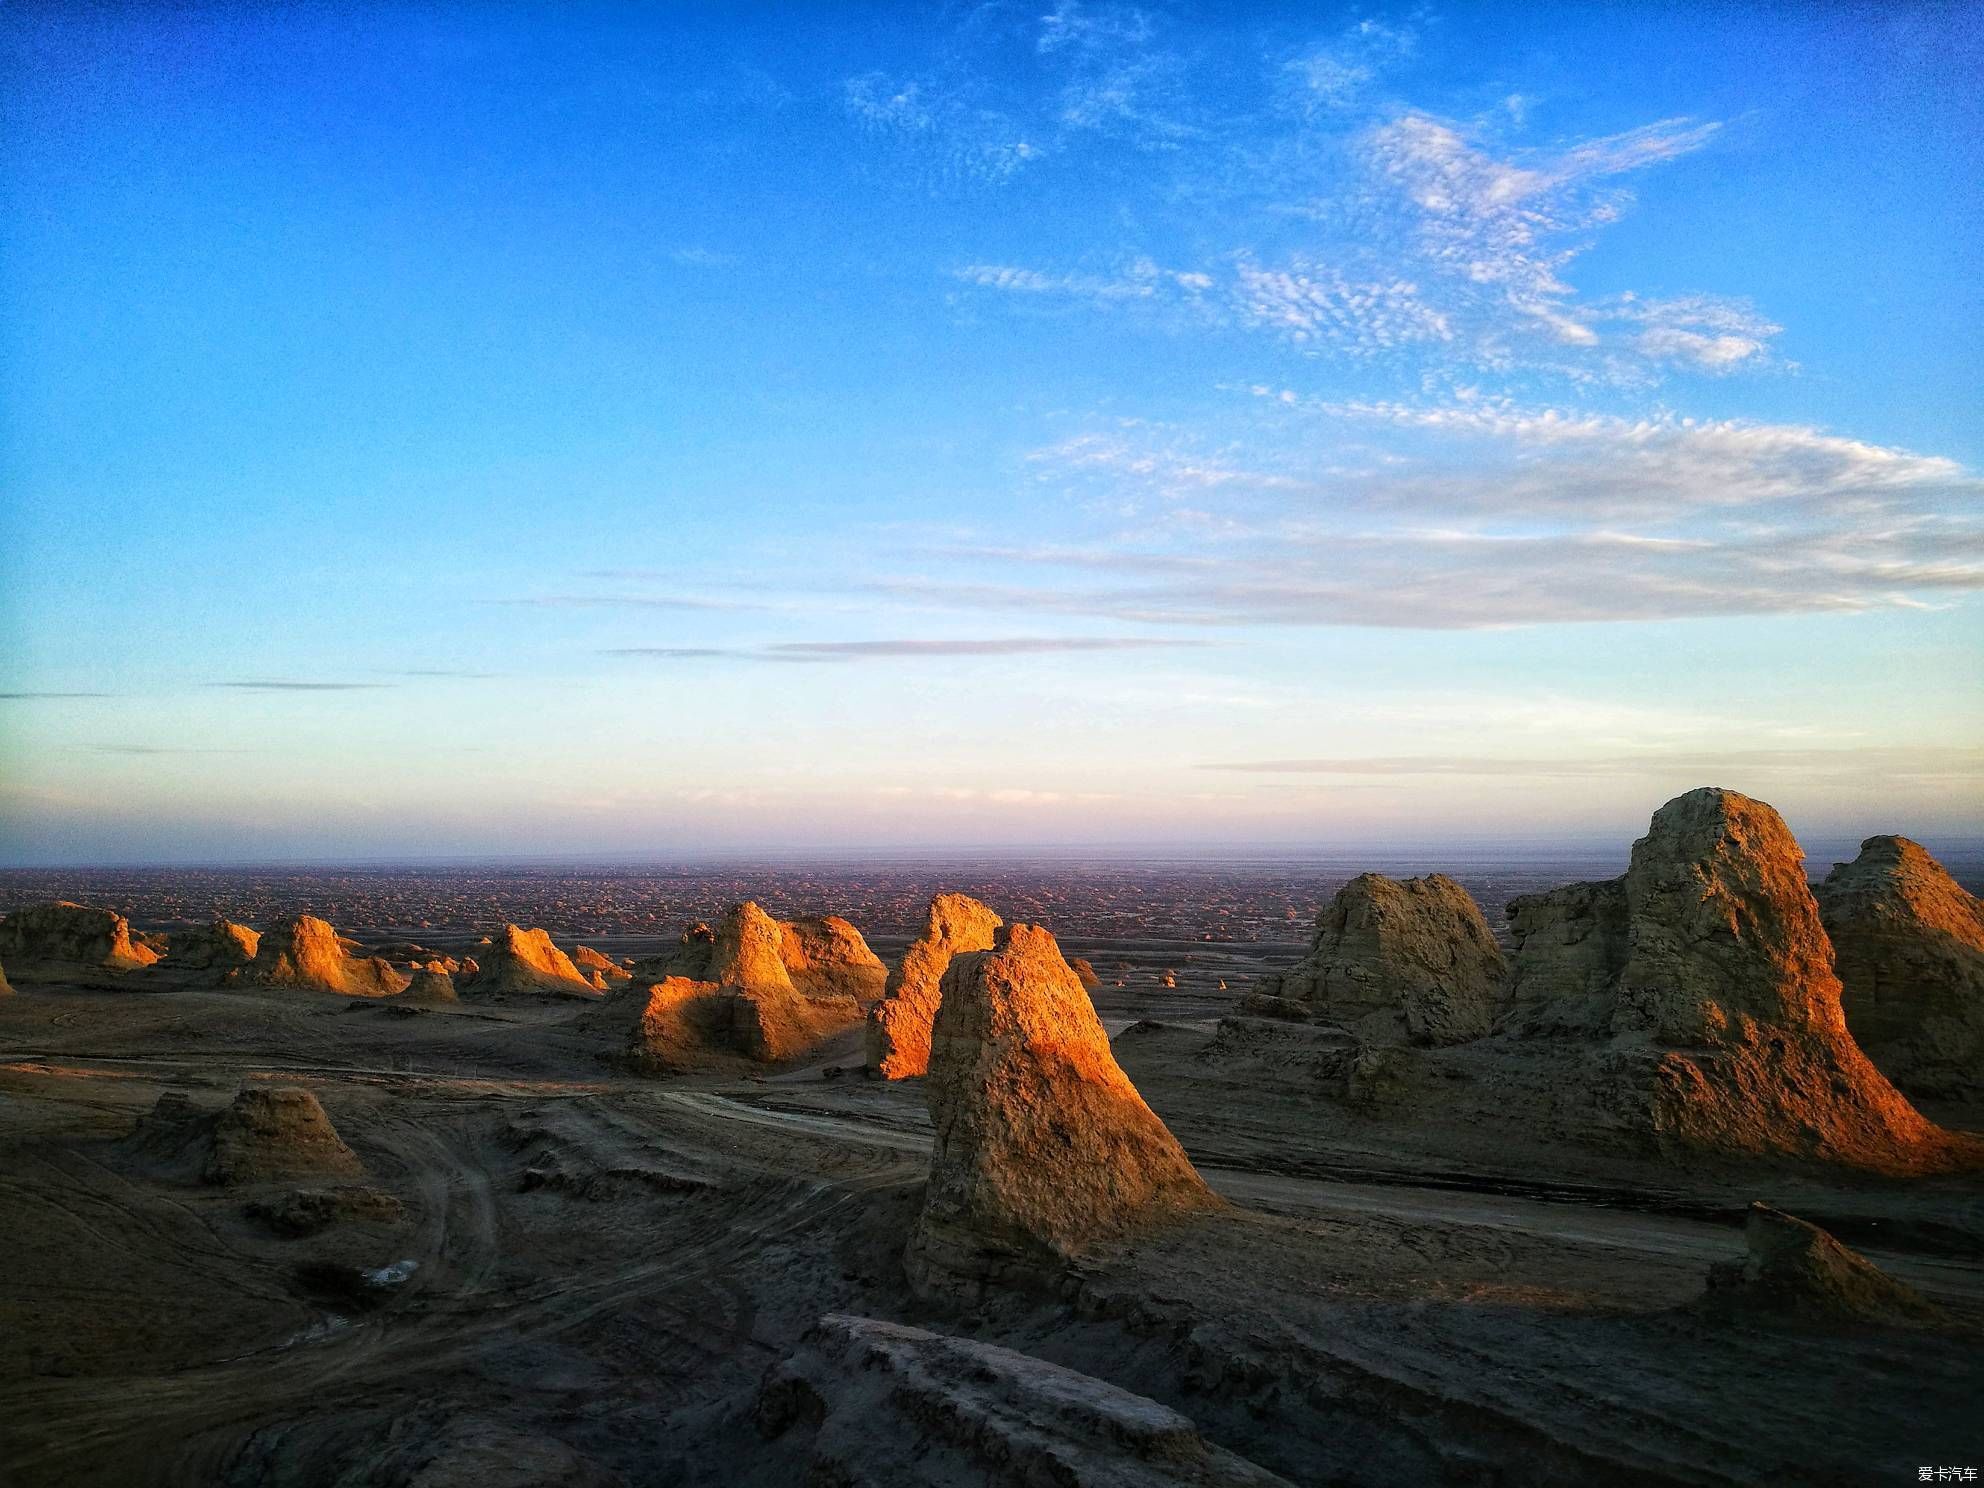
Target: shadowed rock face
pixel 281 1133
pixel 680 1023
pixel 219 947
pixel 1043 1147
pixel 431 984
pixel 1909 943
pixel 526 961
pixel 307 953
pixel 828 958
pixel 1796 1270
pixel 877 1403
pixel 899 1025
pixel 1707 970
pixel 1400 962
pixel 69 942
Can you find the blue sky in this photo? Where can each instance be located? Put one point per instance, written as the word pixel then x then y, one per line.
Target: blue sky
pixel 563 429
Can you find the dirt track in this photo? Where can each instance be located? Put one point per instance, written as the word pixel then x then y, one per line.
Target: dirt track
pixel 606 1267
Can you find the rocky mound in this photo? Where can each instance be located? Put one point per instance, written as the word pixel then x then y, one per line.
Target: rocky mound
pixel 1721 1010
pixel 309 1211
pixel 1909 942
pixel 431 984
pixel 827 958
pixel 1400 962
pixel 1796 1270
pixel 66 942
pixel 6 987
pixel 277 1133
pixel 731 992
pixel 876 1403
pixel 519 961
pixel 899 1025
pixel 307 952
pixel 218 948
pixel 1043 1147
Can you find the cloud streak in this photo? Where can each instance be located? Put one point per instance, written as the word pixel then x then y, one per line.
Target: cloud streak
pixel 803 652
pixel 284 684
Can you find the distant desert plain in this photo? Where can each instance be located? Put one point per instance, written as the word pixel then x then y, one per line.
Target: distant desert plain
pixel 1217 1174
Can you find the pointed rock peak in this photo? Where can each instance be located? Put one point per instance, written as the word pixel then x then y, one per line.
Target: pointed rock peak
pixel 1044 1148
pixel 1909 949
pixel 1723 925
pixel 749 950
pixel 898 1044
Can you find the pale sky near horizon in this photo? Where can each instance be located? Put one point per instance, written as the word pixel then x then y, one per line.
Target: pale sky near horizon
pixel 445 430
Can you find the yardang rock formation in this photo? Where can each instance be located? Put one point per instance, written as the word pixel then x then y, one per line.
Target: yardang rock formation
pixel 308 953
pixel 66 942
pixel 754 986
pixel 1909 942
pixel 1396 961
pixel 1795 1270
pixel 526 961
pixel 1707 972
pixel 1044 1148
pixel 899 1025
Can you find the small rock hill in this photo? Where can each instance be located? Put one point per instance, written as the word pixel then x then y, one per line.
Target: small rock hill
pixel 1044 1148
pixel 518 961
pixel 1396 961
pixel 269 1134
pixel 899 1025
pixel 1909 943
pixel 308 953
pixel 1707 976
pixel 266 1135
pixel 431 984
pixel 869 1404
pixel 66 942
pixel 1796 1271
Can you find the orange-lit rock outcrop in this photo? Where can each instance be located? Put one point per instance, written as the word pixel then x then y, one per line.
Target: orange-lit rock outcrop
pixel 307 952
pixel 69 942
pixel 1707 972
pixel 899 1025
pixel 1044 1148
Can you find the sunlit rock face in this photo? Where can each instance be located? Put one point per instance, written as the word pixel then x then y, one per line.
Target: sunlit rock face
pixel 1396 961
pixel 1909 946
pixel 899 1026
pixel 525 961
pixel 867 1402
pixel 279 1133
pixel 1044 1148
pixel 1796 1271
pixel 755 986
pixel 217 948
pixel 1707 975
pixel 592 963
pixel 69 942
pixel 308 953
